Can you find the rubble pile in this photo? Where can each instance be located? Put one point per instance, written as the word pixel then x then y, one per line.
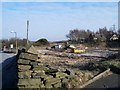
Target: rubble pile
pixel 33 74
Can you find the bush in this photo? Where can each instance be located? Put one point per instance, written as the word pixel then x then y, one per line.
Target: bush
pixel 42 41
pixel 100 65
pixel 113 65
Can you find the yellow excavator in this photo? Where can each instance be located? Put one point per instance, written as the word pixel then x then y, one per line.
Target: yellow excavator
pixel 73 49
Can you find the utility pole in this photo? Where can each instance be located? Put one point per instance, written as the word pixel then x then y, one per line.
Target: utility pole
pixel 27 31
pixel 114 28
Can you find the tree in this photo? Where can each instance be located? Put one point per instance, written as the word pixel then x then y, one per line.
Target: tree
pixel 73 35
pixel 91 39
pixel 78 36
pixel 105 33
pixel 20 42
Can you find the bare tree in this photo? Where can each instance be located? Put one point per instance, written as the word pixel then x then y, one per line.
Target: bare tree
pixel 73 35
pixel 104 32
pixel 78 35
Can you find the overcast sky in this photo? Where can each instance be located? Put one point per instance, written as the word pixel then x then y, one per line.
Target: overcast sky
pixel 53 20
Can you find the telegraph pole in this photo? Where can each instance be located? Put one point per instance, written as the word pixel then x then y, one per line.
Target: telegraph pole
pixel 27 31
pixel 114 29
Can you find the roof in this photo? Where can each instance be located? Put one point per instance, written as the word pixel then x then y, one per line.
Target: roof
pixel 114 37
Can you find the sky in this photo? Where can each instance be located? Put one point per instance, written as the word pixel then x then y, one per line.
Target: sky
pixel 53 20
pixel 60 0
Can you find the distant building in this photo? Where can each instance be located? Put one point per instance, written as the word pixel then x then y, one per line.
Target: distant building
pixel 114 37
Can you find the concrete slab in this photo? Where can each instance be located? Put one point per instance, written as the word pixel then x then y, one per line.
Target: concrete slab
pixel 111 81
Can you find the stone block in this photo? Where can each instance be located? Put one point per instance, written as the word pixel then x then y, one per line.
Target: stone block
pixel 79 73
pixel 87 76
pixel 66 85
pixel 64 80
pixel 61 75
pixel 42 86
pixel 36 77
pixel 38 74
pixel 28 82
pixel 38 60
pixel 34 64
pixel 21 86
pixel 38 68
pixel 48 86
pixel 23 82
pixel 61 69
pixel 49 71
pixel 57 85
pixel 35 87
pixel 24 67
pixel 23 61
pixel 46 77
pixel 52 81
pixel 70 72
pixel 38 65
pixel 25 74
pixel 32 49
pixel 28 56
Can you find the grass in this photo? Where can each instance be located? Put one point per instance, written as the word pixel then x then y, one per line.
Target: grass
pixel 102 66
